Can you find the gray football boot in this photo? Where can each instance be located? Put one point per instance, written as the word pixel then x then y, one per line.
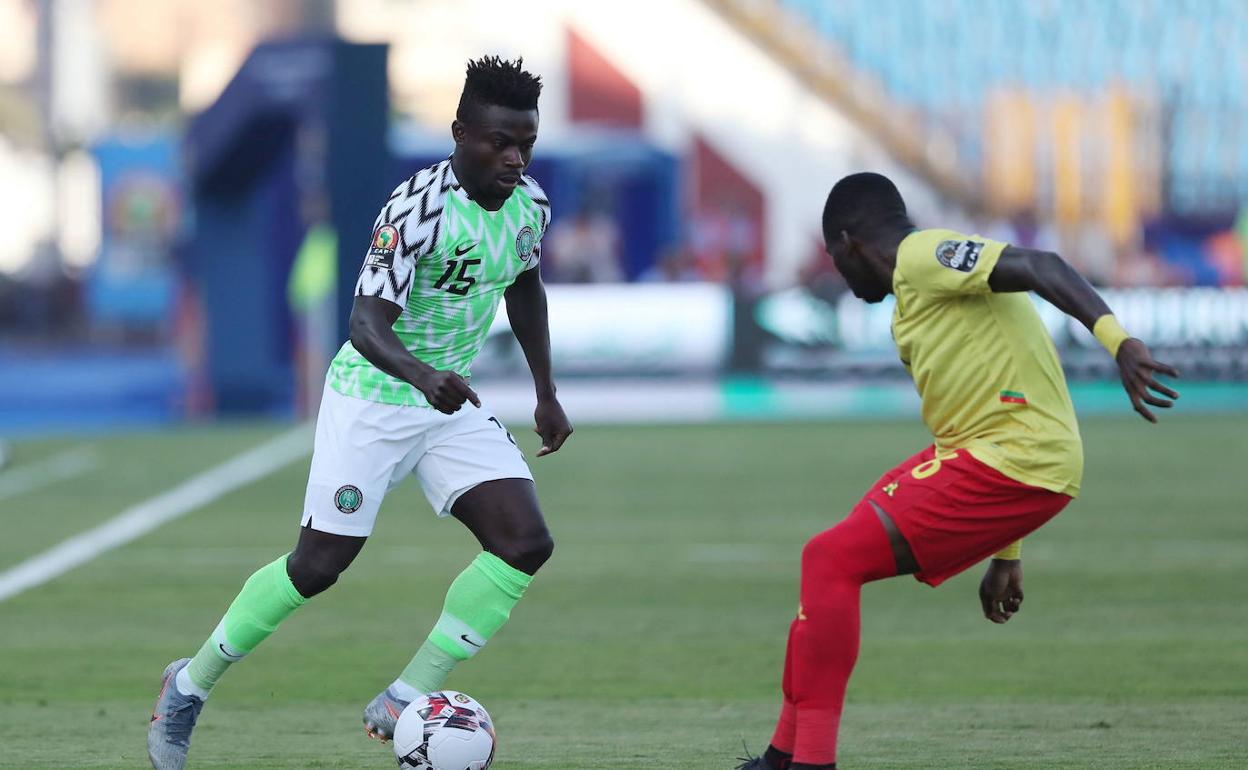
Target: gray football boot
pixel 169 735
pixel 382 714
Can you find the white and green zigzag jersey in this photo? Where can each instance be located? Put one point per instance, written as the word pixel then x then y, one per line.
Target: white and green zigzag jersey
pixel 446 261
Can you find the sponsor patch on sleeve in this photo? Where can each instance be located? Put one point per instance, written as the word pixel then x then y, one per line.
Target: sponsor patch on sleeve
pixel 381 252
pixel 959 255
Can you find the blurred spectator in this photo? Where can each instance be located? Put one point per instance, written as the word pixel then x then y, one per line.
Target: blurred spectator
pixel 1094 253
pixel 1197 251
pixel 1026 230
pixel 583 248
pixel 1226 255
pixel 724 239
pixel 996 229
pixel 1138 266
pixel 1031 232
pixel 1241 232
pixel 674 265
pixel 311 294
pixel 42 301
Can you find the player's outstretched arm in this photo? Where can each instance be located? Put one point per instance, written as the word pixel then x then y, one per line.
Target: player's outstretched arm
pixel 1050 276
pixel 372 334
pixel 526 310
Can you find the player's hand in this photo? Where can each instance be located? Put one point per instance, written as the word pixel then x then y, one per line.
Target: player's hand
pixel 447 391
pixel 1001 590
pixel 1137 367
pixel 552 426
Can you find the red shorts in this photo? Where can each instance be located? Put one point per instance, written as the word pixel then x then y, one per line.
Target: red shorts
pixel 955 512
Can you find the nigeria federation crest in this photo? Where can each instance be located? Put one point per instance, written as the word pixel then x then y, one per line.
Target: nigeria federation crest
pixel 526 240
pixel 348 498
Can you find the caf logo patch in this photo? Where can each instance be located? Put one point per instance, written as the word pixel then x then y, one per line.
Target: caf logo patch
pixel 348 498
pixel 526 240
pixel 959 255
pixel 459 696
pixel 381 252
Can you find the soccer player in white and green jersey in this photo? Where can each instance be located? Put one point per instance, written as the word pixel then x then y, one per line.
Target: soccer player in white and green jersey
pixel 451 241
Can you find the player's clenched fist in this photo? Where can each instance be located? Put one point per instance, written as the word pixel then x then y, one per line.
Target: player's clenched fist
pixel 552 425
pixel 1001 590
pixel 447 391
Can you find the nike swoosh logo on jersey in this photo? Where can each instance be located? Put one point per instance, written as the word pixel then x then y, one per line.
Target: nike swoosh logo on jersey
pixel 464 248
pixel 469 641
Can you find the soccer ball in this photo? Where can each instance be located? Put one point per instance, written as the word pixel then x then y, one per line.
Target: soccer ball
pixel 444 730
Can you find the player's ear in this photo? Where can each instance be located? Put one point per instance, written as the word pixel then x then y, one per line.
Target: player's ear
pixel 458 132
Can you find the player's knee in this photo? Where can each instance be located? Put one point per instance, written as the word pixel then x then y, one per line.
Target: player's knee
pixel 528 553
pixel 817 550
pixel 312 573
pixel 542 549
pixel 822 555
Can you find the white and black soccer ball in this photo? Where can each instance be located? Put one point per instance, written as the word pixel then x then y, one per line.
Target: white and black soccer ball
pixel 444 730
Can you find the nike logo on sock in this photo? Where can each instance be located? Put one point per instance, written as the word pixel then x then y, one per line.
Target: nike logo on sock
pixel 469 641
pixel 228 654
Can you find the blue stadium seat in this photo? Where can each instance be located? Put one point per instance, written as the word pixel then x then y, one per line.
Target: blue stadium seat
pixel 946 56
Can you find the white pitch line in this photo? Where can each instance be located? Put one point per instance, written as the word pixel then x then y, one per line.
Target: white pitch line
pixel 135 522
pixel 65 465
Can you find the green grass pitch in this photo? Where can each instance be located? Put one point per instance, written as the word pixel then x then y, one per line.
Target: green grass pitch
pixel 654 638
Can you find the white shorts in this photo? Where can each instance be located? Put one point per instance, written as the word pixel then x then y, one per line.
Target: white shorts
pixel 364 449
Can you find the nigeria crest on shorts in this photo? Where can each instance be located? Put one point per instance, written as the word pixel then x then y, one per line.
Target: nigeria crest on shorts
pixel 526 239
pixel 348 498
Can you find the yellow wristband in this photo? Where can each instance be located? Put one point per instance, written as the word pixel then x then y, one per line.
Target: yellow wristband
pixel 1110 333
pixel 1011 552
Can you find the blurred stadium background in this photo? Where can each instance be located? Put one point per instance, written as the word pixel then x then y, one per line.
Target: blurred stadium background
pixel 186 193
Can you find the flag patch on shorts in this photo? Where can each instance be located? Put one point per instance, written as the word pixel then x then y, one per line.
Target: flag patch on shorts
pixel 1012 397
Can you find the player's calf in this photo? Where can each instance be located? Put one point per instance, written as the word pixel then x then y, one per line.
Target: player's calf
pixel 268 597
pixel 823 640
pixel 477 605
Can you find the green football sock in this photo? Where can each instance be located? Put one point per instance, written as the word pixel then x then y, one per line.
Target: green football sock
pixel 477 605
pixel 267 598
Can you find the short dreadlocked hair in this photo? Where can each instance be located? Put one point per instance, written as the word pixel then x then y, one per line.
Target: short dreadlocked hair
pixel 861 205
pixel 493 80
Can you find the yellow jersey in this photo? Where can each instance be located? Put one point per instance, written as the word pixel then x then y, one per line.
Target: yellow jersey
pixel 989 378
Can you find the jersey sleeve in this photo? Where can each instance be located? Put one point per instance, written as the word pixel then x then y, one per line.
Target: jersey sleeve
pixel 406 229
pixel 944 263
pixel 538 196
pixel 389 262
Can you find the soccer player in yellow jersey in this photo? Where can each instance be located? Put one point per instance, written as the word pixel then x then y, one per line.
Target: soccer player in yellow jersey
pixel 1007 455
